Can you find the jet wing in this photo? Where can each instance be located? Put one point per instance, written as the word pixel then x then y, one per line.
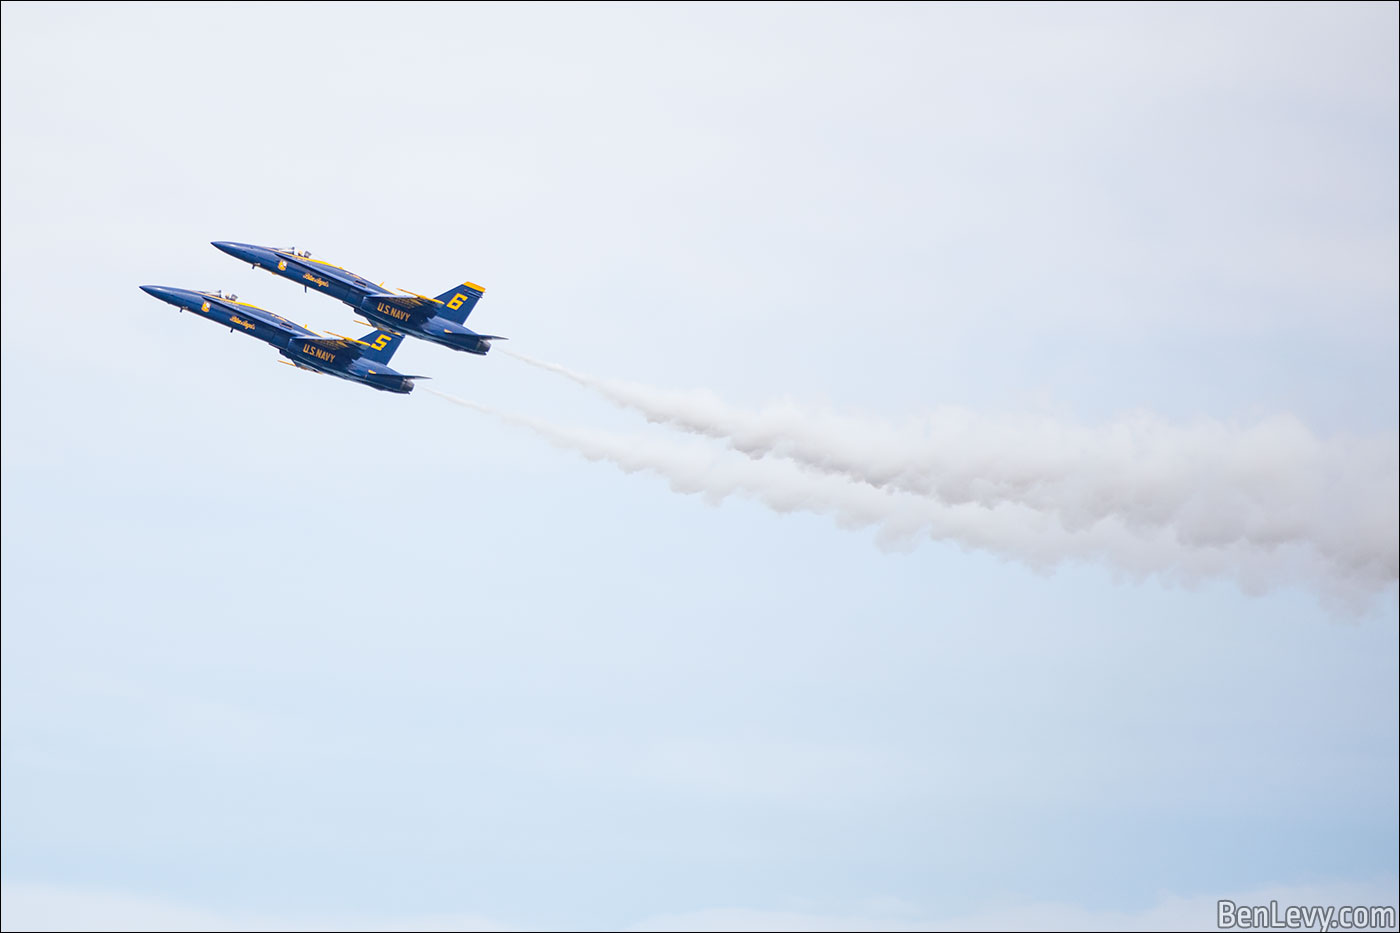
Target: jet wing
pixel 405 302
pixel 335 344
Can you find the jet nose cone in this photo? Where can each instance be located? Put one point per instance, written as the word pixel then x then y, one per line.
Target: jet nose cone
pixel 175 296
pixel 244 251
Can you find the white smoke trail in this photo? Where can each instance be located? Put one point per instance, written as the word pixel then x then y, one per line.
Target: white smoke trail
pixel 1207 484
pixel 1010 530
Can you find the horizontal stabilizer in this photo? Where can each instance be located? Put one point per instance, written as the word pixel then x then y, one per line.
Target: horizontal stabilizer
pixel 438 325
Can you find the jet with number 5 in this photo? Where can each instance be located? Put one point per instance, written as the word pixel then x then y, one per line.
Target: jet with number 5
pixel 441 320
pixel 364 361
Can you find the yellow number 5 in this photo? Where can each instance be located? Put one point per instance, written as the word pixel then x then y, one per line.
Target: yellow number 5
pixel 381 341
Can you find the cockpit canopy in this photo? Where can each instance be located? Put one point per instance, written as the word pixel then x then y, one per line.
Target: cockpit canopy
pixel 302 253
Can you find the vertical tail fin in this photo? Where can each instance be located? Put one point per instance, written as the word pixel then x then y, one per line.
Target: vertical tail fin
pixel 379 346
pixel 459 301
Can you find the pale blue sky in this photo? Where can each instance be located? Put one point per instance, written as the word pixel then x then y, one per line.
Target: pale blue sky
pixel 279 650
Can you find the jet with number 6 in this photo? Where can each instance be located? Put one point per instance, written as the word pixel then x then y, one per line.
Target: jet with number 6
pixel 441 320
pixel 364 361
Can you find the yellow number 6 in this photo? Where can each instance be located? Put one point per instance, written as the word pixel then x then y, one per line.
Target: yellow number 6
pixel 456 301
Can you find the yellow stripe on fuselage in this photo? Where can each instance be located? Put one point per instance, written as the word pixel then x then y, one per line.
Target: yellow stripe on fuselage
pixel 244 304
pixel 319 262
pixel 229 301
pixel 347 271
pixel 271 314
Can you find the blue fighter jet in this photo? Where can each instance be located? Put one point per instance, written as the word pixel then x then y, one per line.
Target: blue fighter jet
pixel 440 320
pixel 364 361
